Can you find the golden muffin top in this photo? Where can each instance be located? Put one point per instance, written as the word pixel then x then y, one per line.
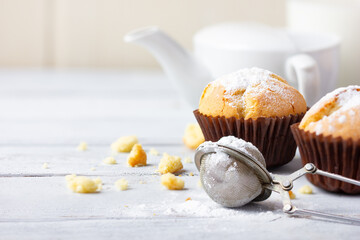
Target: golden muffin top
pixel 336 114
pixel 251 93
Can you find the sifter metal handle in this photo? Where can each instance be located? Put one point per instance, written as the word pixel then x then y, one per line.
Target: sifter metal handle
pixel 337 177
pixel 282 184
pixel 286 182
pixel 295 210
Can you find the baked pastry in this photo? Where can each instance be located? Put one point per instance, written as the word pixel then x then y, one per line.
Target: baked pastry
pixel 329 137
pixel 336 114
pixel 255 105
pixel 251 93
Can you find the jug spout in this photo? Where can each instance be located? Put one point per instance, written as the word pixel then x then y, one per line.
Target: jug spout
pixel 187 73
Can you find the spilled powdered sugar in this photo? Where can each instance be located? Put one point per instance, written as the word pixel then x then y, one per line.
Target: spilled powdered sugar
pixel 210 209
pixel 250 79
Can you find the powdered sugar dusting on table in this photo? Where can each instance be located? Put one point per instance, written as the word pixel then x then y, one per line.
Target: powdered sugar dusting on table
pixel 210 209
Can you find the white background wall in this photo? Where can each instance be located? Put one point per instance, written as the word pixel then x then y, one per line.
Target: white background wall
pixel 88 33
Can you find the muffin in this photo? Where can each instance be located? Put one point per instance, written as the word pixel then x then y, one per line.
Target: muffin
pixel 329 137
pixel 255 105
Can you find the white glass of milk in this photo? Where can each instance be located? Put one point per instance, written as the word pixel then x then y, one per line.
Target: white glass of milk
pixel 341 17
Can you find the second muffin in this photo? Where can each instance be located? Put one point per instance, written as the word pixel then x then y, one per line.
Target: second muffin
pixel 329 137
pixel 255 105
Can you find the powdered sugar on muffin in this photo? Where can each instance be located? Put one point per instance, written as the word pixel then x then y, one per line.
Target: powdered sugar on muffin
pixel 251 79
pixel 336 114
pixel 251 93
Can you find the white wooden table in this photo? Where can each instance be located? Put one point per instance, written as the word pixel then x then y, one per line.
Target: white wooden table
pixel 45 114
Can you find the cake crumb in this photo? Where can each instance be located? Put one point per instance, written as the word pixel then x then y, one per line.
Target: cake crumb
pixel 92 169
pixel 45 166
pixel 82 146
pixel 191 174
pixel 154 152
pixel 142 182
pixel 193 136
pixel 82 184
pixel 169 164
pixel 137 156
pixel 124 144
pixel 121 184
pixel 188 160
pixel 199 183
pixel 292 195
pixel 171 182
pixel 188 199
pixel 109 160
pixel 306 189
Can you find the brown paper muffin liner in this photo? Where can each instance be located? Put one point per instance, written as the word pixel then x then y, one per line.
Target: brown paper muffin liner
pixel 334 155
pixel 272 136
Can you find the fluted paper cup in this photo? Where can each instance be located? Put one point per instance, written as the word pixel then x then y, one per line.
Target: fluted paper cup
pixel 335 155
pixel 272 136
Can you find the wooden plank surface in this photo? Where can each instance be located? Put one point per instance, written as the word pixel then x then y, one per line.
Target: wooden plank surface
pixel 44 115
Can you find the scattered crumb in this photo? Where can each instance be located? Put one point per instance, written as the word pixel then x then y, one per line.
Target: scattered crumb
pixel 45 166
pixel 171 182
pixel 142 182
pixel 126 206
pixel 169 164
pixel 189 198
pixel 306 189
pixel 82 184
pixel 180 175
pixel 193 136
pixel 154 152
pixel 154 214
pixel 292 195
pixel 109 160
pixel 191 174
pixel 137 156
pixel 82 146
pixel 121 184
pixel 199 184
pixel 124 144
pixel 187 160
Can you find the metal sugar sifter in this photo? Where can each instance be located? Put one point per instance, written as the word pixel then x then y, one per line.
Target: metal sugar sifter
pixel 234 176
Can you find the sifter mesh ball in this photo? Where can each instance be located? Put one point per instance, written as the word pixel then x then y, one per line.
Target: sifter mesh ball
pixel 228 182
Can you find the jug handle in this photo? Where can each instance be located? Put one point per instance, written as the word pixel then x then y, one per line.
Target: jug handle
pixel 302 71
